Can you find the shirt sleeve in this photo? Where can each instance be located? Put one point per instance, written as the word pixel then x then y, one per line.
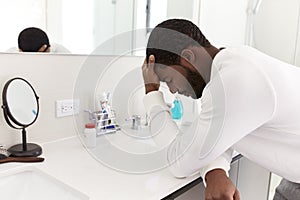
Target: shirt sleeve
pixel 233 104
pixel 222 162
pixel 163 129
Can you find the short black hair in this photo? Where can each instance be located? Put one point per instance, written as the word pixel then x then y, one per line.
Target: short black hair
pixel 169 38
pixel 31 39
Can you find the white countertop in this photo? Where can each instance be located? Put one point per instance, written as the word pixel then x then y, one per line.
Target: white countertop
pixel 70 162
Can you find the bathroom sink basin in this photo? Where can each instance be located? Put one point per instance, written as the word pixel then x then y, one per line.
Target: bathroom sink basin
pixel 33 184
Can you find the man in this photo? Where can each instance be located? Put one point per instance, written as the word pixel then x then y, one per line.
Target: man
pixel 33 39
pixel 250 103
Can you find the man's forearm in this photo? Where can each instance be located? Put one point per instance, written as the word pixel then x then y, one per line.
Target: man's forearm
pixel 214 174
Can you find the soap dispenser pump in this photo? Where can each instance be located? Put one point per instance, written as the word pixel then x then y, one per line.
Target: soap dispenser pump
pixel 177 110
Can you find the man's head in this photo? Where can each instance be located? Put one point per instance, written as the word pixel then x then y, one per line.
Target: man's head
pixel 169 38
pixel 178 46
pixel 33 40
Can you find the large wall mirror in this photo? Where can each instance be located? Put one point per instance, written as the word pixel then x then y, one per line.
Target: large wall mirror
pixel 83 25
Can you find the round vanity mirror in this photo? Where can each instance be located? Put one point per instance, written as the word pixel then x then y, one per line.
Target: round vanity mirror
pixel 21 108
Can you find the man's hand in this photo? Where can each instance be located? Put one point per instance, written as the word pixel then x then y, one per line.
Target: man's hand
pixel 151 79
pixel 43 48
pixel 219 186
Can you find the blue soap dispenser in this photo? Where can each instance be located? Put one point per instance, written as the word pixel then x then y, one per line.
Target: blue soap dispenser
pixel 177 110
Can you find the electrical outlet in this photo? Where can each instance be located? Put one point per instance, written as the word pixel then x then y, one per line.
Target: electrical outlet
pixel 67 107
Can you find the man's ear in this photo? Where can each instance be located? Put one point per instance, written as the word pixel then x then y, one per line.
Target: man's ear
pixel 188 59
pixel 188 55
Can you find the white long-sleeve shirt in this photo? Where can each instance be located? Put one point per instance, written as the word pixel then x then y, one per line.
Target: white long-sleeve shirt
pixel 251 104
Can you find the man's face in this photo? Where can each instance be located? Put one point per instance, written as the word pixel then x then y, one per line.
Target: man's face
pixel 182 80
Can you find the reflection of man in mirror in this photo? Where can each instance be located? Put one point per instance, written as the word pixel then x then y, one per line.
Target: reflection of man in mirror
pixel 250 103
pixel 33 39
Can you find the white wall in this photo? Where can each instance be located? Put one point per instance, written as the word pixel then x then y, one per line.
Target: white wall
pixel 180 9
pixel 53 78
pixel 71 23
pixel 54 20
pixel 297 48
pixel 113 25
pixel 57 77
pixel 104 19
pixel 85 25
pixel 276 26
pixel 223 22
pixel 15 17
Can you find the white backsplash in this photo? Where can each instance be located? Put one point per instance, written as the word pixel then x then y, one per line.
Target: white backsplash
pixel 56 77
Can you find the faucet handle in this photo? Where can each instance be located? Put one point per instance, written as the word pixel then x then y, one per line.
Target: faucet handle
pixel 136 122
pixel 92 116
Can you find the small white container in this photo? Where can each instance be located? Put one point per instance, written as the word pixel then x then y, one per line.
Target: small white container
pixel 90 135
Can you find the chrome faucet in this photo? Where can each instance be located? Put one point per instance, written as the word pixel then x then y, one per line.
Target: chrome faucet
pixel 136 122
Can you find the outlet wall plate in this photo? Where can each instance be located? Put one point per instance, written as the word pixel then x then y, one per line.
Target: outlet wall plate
pixel 67 107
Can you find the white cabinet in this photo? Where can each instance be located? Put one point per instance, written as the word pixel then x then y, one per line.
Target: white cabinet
pixel 251 180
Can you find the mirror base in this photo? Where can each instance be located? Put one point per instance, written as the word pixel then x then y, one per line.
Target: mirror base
pixel 32 150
